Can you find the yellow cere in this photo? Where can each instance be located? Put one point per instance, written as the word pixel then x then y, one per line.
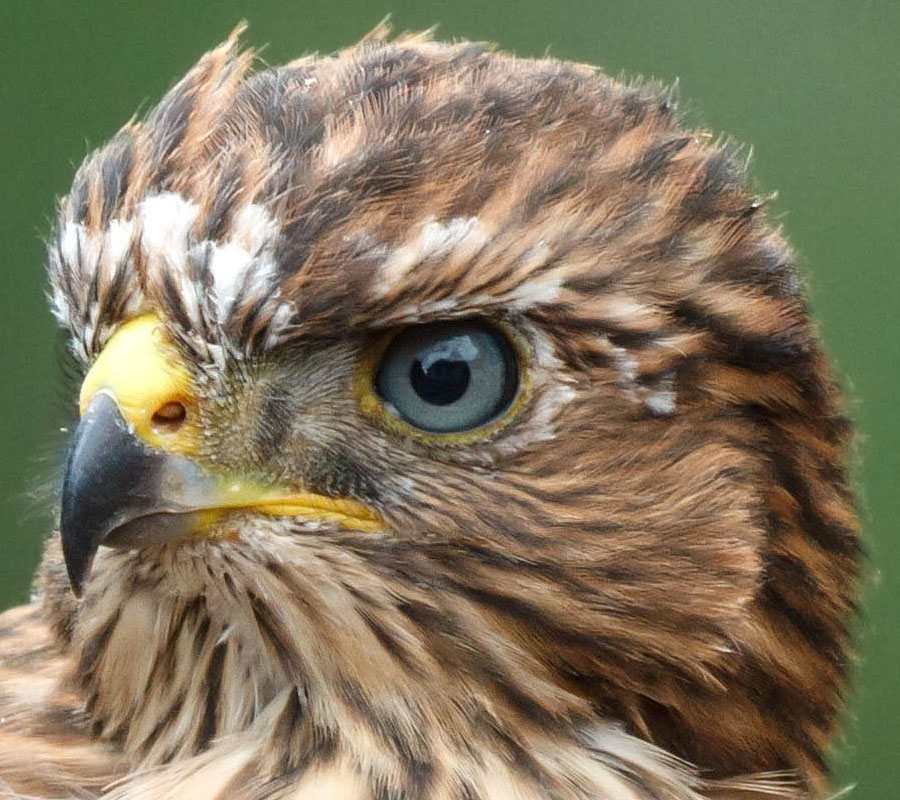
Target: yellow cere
pixel 143 372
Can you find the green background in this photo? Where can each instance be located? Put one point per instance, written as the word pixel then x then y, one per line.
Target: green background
pixel 813 86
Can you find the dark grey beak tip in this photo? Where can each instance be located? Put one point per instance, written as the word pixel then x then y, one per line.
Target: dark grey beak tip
pixel 119 491
pixel 104 465
pixel 76 585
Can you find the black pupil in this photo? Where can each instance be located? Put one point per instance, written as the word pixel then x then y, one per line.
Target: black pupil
pixel 442 383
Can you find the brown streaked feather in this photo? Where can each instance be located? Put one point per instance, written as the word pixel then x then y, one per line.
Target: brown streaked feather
pixel 638 589
pixel 46 746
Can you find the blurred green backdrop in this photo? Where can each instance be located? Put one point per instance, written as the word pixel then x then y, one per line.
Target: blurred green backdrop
pixel 813 85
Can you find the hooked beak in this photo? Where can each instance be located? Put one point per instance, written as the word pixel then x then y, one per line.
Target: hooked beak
pixel 118 491
pixel 128 486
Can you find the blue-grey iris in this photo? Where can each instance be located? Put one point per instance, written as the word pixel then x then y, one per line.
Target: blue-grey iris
pixel 448 377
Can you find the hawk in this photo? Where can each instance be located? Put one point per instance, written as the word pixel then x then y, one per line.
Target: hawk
pixel 452 427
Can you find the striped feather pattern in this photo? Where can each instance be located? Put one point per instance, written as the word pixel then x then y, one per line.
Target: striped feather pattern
pixel 639 588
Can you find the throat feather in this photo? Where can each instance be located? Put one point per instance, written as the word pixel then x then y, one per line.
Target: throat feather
pixel 311 681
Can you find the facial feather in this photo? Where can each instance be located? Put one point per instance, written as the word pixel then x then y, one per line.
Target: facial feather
pixel 654 560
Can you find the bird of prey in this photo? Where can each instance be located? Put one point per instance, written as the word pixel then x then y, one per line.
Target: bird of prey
pixel 452 427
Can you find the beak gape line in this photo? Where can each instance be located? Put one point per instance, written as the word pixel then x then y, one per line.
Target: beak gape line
pixel 120 492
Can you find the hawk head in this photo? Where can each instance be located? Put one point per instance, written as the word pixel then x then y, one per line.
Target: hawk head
pixel 451 417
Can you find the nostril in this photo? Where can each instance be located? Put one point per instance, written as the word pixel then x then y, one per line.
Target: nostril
pixel 169 417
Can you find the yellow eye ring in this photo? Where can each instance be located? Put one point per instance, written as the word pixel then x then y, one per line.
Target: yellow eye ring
pixel 373 406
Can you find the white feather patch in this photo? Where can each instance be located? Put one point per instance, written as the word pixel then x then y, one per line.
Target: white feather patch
pixel 628 756
pixel 96 258
pixel 166 220
pixel 661 398
pixel 244 263
pixel 658 397
pixel 435 240
pixel 537 292
pixel 241 265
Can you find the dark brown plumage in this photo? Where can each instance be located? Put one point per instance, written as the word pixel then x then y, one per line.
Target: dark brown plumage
pixel 651 557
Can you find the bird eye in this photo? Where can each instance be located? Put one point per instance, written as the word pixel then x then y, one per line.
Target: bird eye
pixel 448 377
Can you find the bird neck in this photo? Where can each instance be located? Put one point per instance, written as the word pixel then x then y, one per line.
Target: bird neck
pixel 322 676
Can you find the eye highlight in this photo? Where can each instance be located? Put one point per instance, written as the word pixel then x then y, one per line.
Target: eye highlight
pixel 448 377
